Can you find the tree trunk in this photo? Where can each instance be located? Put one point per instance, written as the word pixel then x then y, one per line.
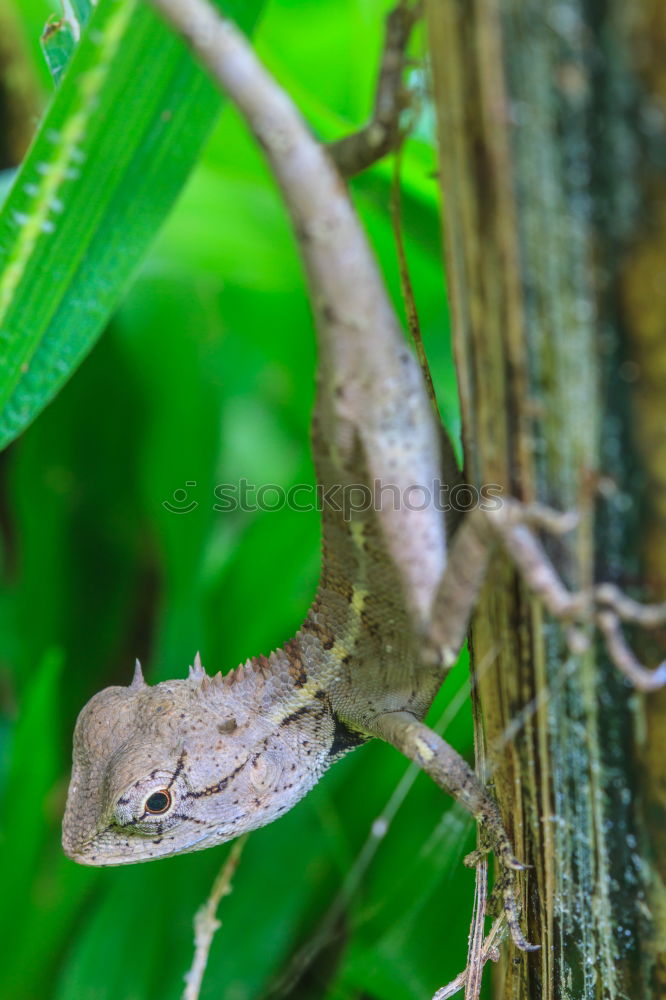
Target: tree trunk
pixel 552 135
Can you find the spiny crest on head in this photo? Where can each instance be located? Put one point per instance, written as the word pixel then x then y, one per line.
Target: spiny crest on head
pixel 257 666
pixel 138 681
pixel 239 674
pixel 197 672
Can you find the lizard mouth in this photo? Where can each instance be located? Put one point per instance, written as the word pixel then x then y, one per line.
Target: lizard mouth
pixel 107 850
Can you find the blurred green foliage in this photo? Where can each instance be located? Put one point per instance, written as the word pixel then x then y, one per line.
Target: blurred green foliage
pixel 205 375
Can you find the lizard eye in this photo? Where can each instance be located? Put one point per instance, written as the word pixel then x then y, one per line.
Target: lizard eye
pixel 149 804
pixel 158 802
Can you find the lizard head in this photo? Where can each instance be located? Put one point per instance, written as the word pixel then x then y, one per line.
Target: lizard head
pixel 179 766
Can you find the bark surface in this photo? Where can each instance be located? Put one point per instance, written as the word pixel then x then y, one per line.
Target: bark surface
pixel 552 132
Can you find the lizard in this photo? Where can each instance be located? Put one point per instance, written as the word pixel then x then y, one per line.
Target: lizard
pixel 194 762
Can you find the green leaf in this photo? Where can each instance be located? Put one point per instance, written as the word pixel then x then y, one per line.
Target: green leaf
pixel 58 44
pixel 30 815
pixel 61 35
pixel 33 871
pixel 206 374
pixel 110 157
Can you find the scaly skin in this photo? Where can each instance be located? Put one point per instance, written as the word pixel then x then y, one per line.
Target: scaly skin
pixel 360 652
pixel 233 753
pixel 192 763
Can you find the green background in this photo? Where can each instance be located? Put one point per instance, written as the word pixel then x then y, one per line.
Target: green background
pixel 204 374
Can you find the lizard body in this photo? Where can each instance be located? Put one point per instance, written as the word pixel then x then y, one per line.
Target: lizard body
pixel 191 763
pixel 360 652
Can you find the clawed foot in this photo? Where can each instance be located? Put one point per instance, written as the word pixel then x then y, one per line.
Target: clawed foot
pixel 605 605
pixel 613 608
pixel 506 890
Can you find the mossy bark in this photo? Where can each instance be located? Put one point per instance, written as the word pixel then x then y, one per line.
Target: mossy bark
pixel 552 132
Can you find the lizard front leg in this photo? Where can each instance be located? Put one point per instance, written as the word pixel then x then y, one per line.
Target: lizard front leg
pixel 452 773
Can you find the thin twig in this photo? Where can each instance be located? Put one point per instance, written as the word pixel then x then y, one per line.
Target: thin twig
pixel 206 922
pixel 475 961
pixel 407 288
pixel 490 952
pixel 480 950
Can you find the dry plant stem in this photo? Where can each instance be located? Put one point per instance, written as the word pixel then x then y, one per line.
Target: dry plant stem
pixel 360 150
pixel 475 946
pixel 475 961
pixel 206 922
pixel 489 952
pixel 530 241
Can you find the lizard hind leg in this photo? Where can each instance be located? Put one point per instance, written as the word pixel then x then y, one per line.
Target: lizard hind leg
pixel 453 774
